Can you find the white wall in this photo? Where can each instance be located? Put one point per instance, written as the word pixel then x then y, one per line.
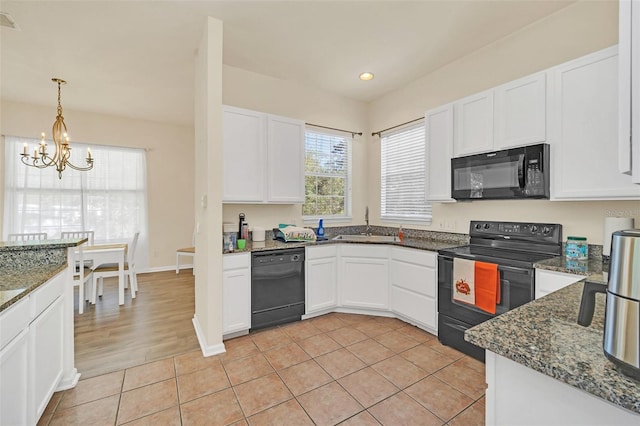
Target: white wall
pixel 169 165
pixel 572 32
pixel 258 92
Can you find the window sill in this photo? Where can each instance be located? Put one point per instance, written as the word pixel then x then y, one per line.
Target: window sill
pixel 404 220
pixel 314 220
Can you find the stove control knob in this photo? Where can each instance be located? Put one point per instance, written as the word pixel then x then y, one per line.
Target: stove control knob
pixel 534 228
pixel 546 230
pixel 486 226
pixel 478 226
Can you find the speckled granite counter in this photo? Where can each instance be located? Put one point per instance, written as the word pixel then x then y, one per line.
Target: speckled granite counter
pixel 544 336
pixel 594 268
pixel 423 240
pixel 24 266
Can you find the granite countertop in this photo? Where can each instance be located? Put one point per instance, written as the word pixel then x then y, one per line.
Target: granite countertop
pixel 544 335
pixel 595 269
pixel 16 283
pixel 26 265
pixel 417 243
pixel 6 246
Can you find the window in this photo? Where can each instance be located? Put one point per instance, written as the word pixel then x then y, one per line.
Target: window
pixel 327 175
pixel 109 200
pixel 403 172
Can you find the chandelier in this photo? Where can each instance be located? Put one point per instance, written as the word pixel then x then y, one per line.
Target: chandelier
pixel 60 159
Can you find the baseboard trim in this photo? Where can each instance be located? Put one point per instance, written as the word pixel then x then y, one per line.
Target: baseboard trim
pixel 206 350
pixel 69 382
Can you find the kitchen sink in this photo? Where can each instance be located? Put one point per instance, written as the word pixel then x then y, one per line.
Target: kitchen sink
pixel 367 238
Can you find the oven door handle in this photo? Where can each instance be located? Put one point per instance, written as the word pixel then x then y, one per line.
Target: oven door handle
pixel 514 269
pixel 522 178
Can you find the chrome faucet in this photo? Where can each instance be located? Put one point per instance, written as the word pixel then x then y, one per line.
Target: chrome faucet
pixel 366 219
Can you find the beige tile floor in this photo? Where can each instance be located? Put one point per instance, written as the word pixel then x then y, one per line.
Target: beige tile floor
pixel 337 368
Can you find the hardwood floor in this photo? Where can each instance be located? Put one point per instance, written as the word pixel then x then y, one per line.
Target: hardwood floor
pixel 155 325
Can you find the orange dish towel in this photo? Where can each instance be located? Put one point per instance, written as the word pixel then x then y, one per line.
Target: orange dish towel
pixel 487 282
pixel 463 281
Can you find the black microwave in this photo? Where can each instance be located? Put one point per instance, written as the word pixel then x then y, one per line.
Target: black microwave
pixel 507 174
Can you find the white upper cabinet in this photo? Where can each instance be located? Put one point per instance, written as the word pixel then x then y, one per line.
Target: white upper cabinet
pixel 263 157
pixel 243 153
pixel 629 89
pixel 439 139
pixel 520 112
pixel 285 169
pixel 474 124
pixel 584 130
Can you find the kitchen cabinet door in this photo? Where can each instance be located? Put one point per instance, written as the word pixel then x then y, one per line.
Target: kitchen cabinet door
pixel 550 281
pixel 629 89
pixel 439 140
pixel 474 124
pixel 584 130
pixel 14 382
pixel 364 280
pixel 46 350
pixel 285 168
pixel 243 153
pixel 520 112
pixel 236 293
pixel 414 286
pixel 321 271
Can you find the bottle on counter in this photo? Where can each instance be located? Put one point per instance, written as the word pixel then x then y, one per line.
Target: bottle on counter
pixel 245 231
pixel 320 232
pixel 400 234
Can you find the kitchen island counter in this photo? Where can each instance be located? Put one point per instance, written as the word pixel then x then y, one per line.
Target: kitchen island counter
pixel 25 266
pixel 544 336
pixel 594 268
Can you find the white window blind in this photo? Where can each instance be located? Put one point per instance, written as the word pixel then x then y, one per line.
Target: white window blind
pixel 110 199
pixel 403 173
pixel 327 174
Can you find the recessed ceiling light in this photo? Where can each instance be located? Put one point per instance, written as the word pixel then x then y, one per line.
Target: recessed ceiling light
pixel 366 76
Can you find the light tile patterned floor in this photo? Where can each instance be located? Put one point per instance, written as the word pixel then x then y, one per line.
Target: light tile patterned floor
pixel 337 368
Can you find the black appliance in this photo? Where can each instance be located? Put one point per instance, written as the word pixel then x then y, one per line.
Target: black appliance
pixel 508 174
pixel 514 247
pixel 277 287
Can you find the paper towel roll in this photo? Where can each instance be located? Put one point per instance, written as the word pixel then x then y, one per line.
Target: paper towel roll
pixel 611 225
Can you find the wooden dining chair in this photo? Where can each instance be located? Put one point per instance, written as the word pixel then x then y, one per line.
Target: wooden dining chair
pixel 32 236
pixel 189 252
pixel 107 270
pixel 82 278
pixel 78 234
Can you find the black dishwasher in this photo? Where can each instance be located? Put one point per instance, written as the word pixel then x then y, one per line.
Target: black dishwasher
pixel 277 287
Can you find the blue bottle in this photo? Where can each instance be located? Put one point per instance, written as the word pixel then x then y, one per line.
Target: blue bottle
pixel 320 229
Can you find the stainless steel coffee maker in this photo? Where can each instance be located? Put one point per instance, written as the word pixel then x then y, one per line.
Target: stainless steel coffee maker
pixel 622 315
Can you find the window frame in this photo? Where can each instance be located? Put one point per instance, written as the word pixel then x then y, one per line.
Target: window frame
pixel 313 219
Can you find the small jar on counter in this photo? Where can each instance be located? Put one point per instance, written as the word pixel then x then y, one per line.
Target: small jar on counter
pixel 577 248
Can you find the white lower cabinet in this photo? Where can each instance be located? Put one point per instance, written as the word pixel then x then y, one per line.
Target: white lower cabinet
pixel 363 276
pixel 321 278
pixel 414 285
pixel 550 281
pixel 31 352
pixel 236 293
pixel 14 382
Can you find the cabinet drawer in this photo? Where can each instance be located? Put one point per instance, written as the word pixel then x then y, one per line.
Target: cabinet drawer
pixel 420 279
pixel 47 293
pixel 419 257
pixel 414 306
pixel 321 252
pixel 13 320
pixel 236 261
pixel 364 250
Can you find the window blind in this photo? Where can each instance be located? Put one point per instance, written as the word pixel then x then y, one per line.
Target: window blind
pixel 403 174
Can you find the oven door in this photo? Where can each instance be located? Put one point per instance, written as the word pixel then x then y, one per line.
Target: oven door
pixel 516 288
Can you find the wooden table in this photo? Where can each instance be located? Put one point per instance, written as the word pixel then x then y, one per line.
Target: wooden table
pixel 108 253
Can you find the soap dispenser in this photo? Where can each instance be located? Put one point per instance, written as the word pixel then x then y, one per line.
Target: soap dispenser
pixel 320 229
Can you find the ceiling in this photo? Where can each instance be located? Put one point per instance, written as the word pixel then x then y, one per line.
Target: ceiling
pixel 136 58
